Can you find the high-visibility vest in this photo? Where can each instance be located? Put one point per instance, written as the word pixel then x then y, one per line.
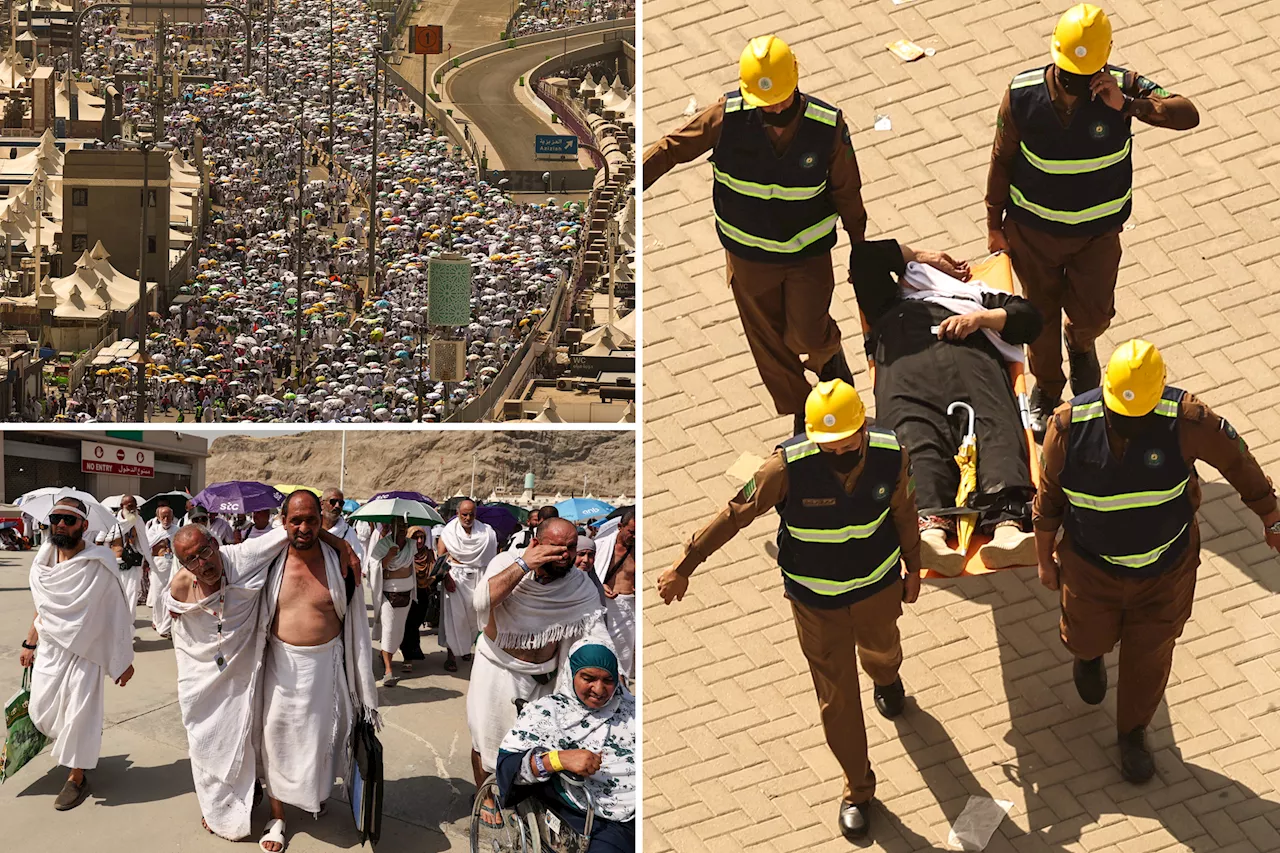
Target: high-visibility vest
pixel 774 208
pixel 832 545
pixel 1076 180
pixel 1132 515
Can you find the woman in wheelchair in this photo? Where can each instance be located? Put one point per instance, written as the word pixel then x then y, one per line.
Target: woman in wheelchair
pixel 587 729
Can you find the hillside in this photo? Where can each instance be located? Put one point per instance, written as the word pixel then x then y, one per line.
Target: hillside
pixel 435 462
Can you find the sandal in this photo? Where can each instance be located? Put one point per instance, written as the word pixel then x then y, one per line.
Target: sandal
pixel 491 810
pixel 273 833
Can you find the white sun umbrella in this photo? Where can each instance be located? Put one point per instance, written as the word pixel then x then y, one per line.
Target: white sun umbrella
pixel 39 503
pixel 113 503
pixel 388 510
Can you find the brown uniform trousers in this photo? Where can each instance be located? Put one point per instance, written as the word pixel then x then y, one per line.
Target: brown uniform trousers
pixel 828 638
pixel 786 312
pixel 1144 615
pixel 1075 275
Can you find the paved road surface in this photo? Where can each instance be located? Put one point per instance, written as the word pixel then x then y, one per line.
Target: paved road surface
pixel 143 798
pixel 734 755
pixel 483 91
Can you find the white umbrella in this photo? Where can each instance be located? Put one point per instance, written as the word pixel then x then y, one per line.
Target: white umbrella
pixel 113 503
pixel 39 503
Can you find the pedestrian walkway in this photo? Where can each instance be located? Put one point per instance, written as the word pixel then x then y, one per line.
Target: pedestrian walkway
pixel 734 752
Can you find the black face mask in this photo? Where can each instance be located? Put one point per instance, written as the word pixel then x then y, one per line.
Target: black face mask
pixel 1130 428
pixel 784 118
pixel 1074 84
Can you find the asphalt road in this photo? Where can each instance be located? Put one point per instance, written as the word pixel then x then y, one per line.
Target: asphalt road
pixel 483 91
pixel 142 795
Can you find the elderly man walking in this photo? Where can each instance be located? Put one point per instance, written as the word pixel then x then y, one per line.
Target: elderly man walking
pixel 128 539
pixel 160 532
pixel 218 634
pixel 469 545
pixel 534 607
pixel 82 631
pixel 331 513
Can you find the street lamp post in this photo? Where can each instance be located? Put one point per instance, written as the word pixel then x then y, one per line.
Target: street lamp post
pixel 332 129
pixel 297 309
pixel 373 165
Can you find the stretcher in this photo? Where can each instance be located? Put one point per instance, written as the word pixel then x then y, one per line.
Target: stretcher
pixel 996 271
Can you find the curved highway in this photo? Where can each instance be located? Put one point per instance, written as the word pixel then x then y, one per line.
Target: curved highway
pixel 483 91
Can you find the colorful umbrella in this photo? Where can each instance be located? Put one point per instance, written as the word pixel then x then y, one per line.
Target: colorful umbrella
pixel 387 510
pixel 239 496
pixel 967 458
pixel 583 509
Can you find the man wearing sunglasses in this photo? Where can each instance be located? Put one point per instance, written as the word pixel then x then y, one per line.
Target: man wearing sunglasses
pixel 331 513
pixel 220 624
pixel 83 629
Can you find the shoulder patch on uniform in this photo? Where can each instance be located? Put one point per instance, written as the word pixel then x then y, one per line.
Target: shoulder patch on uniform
pixel 1227 428
pixel 749 489
pixel 844 135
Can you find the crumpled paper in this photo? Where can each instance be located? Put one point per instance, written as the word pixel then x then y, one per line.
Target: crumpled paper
pixel 976 824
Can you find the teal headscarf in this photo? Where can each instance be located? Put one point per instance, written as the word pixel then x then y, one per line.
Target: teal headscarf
pixel 595 656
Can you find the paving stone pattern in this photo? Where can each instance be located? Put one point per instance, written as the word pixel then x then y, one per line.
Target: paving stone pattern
pixel 734 754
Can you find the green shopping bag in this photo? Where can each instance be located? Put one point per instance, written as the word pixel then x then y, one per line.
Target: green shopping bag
pixel 24 741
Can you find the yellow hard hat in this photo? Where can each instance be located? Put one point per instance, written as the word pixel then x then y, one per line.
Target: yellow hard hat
pixel 1135 379
pixel 833 412
pixel 1082 40
pixel 767 72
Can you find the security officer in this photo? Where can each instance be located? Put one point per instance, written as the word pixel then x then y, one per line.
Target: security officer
pixel 1118 476
pixel 784 171
pixel 848 527
pixel 1060 188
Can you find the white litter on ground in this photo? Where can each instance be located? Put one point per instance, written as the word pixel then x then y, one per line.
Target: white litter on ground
pixel 976 824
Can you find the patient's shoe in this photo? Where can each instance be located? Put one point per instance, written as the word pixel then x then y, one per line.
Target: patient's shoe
pixel 1009 547
pixel 937 555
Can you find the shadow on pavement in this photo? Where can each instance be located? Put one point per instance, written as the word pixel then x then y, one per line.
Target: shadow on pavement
pixel 117 781
pixel 1243 548
pixel 402 694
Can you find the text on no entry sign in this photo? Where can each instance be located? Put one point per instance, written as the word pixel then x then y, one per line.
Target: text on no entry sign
pixel 548 144
pixel 99 458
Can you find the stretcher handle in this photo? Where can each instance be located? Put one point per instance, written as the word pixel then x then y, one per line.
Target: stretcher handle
pixel 962 405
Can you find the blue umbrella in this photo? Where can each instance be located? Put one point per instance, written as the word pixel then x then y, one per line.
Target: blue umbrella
pixel 583 509
pixel 350 505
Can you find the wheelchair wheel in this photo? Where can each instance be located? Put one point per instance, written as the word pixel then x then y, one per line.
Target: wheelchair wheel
pixel 512 836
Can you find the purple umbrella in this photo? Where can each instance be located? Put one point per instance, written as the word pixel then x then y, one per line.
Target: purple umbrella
pixel 409 496
pixel 239 496
pixel 502 521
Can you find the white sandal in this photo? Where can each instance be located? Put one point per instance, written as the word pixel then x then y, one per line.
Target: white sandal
pixel 274 832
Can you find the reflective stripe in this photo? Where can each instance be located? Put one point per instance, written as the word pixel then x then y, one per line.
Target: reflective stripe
pixel 798 243
pixel 1129 500
pixel 838 535
pixel 769 192
pixel 1076 167
pixel 733 105
pixel 1071 217
pixel 1087 412
pixel 1138 561
pixel 822 586
pixel 886 440
pixel 1027 78
pixel 1167 408
pixel 820 114
pixel 800 451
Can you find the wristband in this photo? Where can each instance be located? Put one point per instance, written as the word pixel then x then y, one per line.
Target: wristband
pixel 26 645
pixel 553 758
pixel 524 567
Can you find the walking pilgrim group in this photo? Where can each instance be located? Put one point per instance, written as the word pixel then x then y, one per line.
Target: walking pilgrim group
pixel 272 675
pixel 220 355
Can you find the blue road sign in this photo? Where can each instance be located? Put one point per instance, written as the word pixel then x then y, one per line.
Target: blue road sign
pixel 547 144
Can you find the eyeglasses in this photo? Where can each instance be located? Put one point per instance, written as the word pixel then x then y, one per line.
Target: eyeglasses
pixel 57 518
pixel 334 501
pixel 203 557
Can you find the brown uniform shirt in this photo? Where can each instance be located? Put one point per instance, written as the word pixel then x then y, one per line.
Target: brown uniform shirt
pixel 1167 110
pixel 769 487
pixel 1201 435
pixel 702 133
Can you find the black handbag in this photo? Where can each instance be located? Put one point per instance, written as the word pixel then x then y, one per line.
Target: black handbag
pixel 366 782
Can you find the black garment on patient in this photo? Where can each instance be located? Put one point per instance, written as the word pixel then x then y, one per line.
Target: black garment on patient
pixel 918 376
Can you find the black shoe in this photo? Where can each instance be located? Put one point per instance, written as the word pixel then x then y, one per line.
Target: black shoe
pixel 836 368
pixel 1086 373
pixel 798 424
pixel 1136 764
pixel 890 699
pixel 1091 680
pixel 855 820
pixel 72 794
pixel 1041 410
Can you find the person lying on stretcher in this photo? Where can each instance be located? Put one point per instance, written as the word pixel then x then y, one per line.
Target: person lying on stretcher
pixel 936 338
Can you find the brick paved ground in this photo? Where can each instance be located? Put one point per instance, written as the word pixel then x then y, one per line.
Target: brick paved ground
pixel 734 754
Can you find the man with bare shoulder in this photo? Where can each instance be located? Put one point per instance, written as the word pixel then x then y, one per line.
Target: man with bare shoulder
pixel 616 568
pixel 318 673
pixel 219 630
pixel 533 606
